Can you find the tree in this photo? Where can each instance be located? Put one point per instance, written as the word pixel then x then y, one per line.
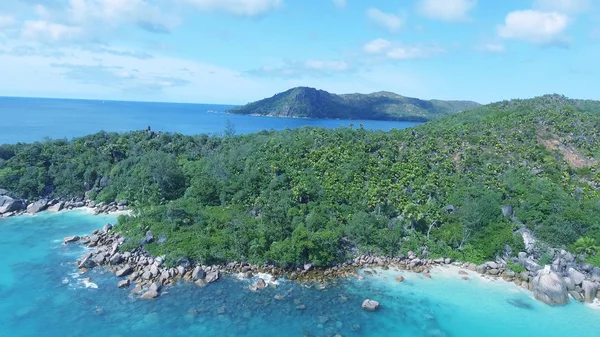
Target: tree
pixel 586 246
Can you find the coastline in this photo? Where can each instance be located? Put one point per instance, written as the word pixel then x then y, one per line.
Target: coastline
pixel 147 275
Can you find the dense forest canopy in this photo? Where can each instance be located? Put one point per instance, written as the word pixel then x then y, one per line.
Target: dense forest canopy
pixel 321 196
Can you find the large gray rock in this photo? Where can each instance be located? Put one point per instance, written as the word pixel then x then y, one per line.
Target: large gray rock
pixel 87 262
pixel 57 207
pixel 198 273
pixel 8 204
pixel 38 206
pixel 550 288
pixel 576 276
pixel 590 289
pixel 569 283
pixel 149 238
pixel 69 239
pixel 492 265
pixel 212 276
pixel 3 191
pixel 531 265
pixel 370 305
pixel 528 239
pixel 595 274
pixel 124 271
pixel 507 210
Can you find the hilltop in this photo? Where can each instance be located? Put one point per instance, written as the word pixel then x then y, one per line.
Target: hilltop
pixel 304 102
pixel 465 186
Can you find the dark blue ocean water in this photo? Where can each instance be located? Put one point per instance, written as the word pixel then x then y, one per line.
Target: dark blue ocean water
pixel 32 119
pixel 42 294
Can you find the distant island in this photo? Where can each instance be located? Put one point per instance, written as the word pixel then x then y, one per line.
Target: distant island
pixel 305 102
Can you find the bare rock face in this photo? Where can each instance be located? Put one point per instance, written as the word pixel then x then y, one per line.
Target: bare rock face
pixel 125 271
pixel 590 289
pixel 550 288
pixel 576 276
pixel 370 305
pixel 69 239
pixel 37 206
pixel 212 276
pixel 8 204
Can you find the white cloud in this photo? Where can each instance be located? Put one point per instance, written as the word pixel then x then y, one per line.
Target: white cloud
pixel 326 65
pixel 446 10
pixel 6 21
pixel 340 3
pixel 534 26
pixel 294 69
pixel 397 51
pixel 237 7
pixel 388 21
pixel 47 31
pixel 563 6
pixel 492 48
pixel 408 53
pixel 376 46
pixel 120 74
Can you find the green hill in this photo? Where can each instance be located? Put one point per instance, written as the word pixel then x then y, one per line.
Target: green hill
pixel 306 102
pixel 323 195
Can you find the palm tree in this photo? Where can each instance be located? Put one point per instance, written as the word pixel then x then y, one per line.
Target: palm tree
pixel 586 246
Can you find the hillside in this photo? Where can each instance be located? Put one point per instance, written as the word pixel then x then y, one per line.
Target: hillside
pixel 306 102
pixel 460 186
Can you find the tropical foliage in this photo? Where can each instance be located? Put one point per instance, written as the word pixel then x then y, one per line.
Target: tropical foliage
pixel 321 196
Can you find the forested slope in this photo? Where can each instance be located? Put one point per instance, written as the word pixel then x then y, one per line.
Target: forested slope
pixel 323 195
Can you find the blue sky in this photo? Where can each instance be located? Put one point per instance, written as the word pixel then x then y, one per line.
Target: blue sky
pixel 235 51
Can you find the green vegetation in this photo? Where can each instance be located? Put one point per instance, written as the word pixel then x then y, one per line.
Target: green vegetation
pixel 317 195
pixel 517 268
pixel 313 103
pixel 585 246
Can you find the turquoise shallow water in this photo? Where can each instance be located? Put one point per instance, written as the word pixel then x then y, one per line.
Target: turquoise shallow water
pixel 41 294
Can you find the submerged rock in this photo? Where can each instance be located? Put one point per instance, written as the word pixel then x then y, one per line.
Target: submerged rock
pixel 370 305
pixel 123 283
pixel 69 239
pixel 550 288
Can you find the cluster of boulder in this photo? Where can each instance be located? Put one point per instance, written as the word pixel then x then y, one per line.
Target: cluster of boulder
pixel 553 284
pixel 148 274
pixel 12 206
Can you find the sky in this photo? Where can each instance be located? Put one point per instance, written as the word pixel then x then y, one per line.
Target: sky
pixel 236 51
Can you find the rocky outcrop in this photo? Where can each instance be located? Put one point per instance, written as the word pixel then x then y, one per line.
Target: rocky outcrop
pixel 590 290
pixel 212 276
pixel 576 276
pixel 550 288
pixel 56 207
pixel 38 206
pixel 70 239
pixel 370 305
pixel 152 292
pixel 9 204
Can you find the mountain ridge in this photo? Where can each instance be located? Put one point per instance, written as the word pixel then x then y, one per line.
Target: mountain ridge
pixel 307 102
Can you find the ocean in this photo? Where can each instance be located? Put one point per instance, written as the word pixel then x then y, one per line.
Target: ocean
pixel 34 119
pixel 42 294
